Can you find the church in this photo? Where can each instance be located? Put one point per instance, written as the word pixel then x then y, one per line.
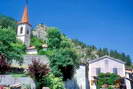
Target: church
pixel 24 28
pixel 24 32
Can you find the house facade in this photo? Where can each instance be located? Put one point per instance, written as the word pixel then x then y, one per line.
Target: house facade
pixel 104 64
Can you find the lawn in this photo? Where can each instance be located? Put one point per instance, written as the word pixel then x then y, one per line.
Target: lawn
pixel 18 75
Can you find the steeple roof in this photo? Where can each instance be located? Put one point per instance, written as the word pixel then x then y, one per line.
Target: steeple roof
pixel 25 17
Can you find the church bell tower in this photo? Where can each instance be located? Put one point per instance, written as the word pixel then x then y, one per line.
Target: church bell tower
pixel 24 28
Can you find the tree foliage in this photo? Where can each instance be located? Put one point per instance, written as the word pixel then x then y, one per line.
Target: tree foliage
pixel 54 38
pixel 107 78
pixel 115 54
pixel 63 62
pixel 53 82
pixel 62 55
pixel 6 22
pixel 121 56
pixel 86 51
pixel 92 52
pixel 37 43
pixel 9 46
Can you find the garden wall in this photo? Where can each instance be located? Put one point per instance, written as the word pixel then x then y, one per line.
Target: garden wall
pixel 27 59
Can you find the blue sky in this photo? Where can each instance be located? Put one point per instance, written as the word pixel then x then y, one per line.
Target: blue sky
pixel 103 23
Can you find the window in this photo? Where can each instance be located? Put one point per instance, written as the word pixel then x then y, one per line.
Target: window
pixel 27 31
pixel 98 71
pixel 115 70
pixel 21 30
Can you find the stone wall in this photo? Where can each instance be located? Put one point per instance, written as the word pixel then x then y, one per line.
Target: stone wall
pixel 29 58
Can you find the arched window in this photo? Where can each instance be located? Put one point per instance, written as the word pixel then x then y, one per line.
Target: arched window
pixel 27 31
pixel 21 30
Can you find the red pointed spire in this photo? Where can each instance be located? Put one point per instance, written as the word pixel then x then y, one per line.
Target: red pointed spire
pixel 25 17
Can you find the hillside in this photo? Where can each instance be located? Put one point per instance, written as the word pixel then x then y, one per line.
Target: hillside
pixel 6 22
pixel 92 52
pixel 85 51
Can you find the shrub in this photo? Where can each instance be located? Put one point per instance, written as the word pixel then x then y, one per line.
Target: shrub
pixel 37 71
pixel 107 78
pixel 53 82
pixel 4 66
pixel 42 52
pixel 110 87
pixel 37 43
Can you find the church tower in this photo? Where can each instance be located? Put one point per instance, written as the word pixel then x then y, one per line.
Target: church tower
pixel 24 28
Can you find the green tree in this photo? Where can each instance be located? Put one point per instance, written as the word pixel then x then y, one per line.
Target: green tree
pixel 66 42
pixel 6 22
pixel 63 62
pixel 62 55
pixel 77 43
pixel 9 46
pixel 37 43
pixel 53 82
pixel 121 56
pixel 102 52
pixel 128 60
pixel 54 38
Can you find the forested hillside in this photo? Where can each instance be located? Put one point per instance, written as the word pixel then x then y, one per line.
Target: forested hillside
pixel 6 22
pixel 92 52
pixel 85 51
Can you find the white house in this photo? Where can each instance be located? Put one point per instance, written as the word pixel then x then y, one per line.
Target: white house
pixel 105 64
